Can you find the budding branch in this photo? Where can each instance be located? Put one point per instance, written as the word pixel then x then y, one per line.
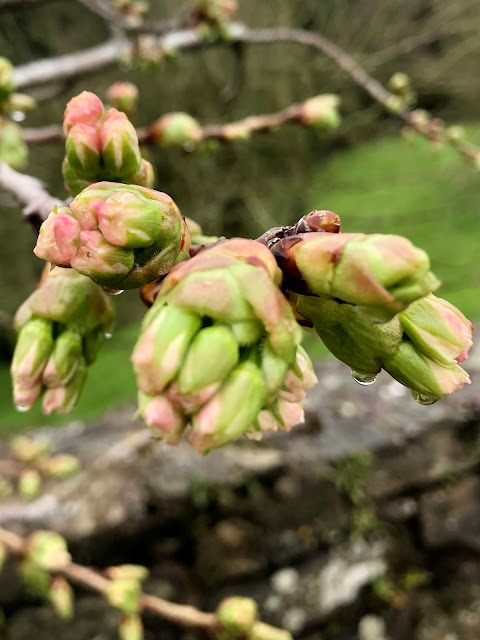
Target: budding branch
pixel 185 615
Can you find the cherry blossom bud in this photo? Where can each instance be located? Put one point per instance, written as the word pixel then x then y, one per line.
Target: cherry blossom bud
pixel 34 345
pixel 166 422
pixel 83 149
pixel 47 550
pixel 62 598
pixel 86 108
pixel 120 150
pixel 237 615
pixel 176 130
pixel 63 398
pixel 123 96
pixel 64 360
pixel 29 484
pixel 59 237
pixel 13 150
pixel 321 112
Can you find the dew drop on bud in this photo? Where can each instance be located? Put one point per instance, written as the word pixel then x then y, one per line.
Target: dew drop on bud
pixel 21 408
pixel 113 292
pixel 423 398
pixel 363 378
pixel 17 116
pixel 107 335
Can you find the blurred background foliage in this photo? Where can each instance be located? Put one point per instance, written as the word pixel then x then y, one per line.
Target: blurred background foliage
pixel 365 171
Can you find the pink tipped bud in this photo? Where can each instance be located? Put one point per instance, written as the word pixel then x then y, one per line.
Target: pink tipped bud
pixel 86 108
pixel 321 112
pixel 123 96
pixel 120 150
pixel 59 238
pixel 33 348
pixel 145 176
pixel 237 615
pixel 176 130
pixel 438 329
pixel 63 399
pixel 166 422
pixel 83 148
pixel 98 259
pixel 64 360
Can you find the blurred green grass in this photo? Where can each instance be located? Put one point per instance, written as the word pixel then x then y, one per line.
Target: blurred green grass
pixel 386 186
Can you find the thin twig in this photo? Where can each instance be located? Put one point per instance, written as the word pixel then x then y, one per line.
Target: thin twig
pixel 185 615
pixel 29 192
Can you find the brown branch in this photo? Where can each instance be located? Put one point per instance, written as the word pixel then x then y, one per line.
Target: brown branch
pixel 185 615
pixel 29 192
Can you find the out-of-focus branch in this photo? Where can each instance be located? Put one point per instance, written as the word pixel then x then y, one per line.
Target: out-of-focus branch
pixel 181 614
pixel 29 192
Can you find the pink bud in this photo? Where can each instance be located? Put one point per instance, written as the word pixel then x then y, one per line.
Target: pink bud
pixel 123 96
pixel 166 422
pixel 86 108
pixel 58 239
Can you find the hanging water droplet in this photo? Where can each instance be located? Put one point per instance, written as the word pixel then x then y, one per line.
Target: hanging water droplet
pixel 21 408
pixel 363 378
pixel 113 292
pixel 18 116
pixel 108 335
pixel 424 398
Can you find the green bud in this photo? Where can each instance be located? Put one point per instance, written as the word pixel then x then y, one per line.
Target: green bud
pixel 133 572
pixel 237 615
pixel 47 550
pixel 231 411
pixel 120 150
pixel 62 399
pixel 247 332
pixel 83 150
pixel 124 594
pixel 213 353
pixel 13 150
pixel 145 176
pixel 176 130
pixel 72 182
pixel 62 598
pixel 19 102
pixel 131 628
pixel 63 465
pixel 160 351
pixel 399 83
pixel 321 112
pixel 35 578
pixel 29 449
pixel 262 631
pixel 29 484
pixel 6 78
pixel 274 370
pixel 64 360
pixel 33 348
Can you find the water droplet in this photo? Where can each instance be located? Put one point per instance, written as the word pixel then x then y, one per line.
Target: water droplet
pixel 423 398
pixel 363 378
pixel 108 335
pixel 21 408
pixel 17 116
pixel 113 292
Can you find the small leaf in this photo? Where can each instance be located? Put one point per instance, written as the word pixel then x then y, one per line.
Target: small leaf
pixel 48 550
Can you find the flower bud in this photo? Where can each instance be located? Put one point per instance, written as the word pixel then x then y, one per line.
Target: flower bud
pixel 131 628
pixel 175 130
pixel 61 598
pixel 72 183
pixel 231 411
pixel 423 375
pixel 262 631
pixel 99 260
pixel 382 273
pixel 63 465
pixel 64 360
pixel 145 176
pixel 35 578
pixel 399 83
pixel 211 356
pixel 29 449
pixel 166 422
pixel 13 150
pixel 29 484
pixel 6 78
pixel 124 594
pixel 237 615
pixel 83 150
pixel 123 96
pixel 62 399
pixel 274 370
pixel 19 102
pixel 438 329
pixel 321 112
pixel 86 108
pixel 120 150
pixel 59 237
pixel 33 348
pixel 47 550
pixel 160 352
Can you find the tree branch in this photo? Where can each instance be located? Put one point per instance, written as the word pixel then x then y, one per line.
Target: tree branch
pixel 29 192
pixel 185 615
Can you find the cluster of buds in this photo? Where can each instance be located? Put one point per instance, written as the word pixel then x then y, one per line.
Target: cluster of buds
pixel 421 347
pixel 123 96
pixel 214 13
pixel 238 618
pixel 101 144
pixel 10 101
pixel 321 112
pixel 403 95
pixel 13 149
pixel 218 354
pixel 61 326
pixel 382 274
pixel 120 236
pixel 176 130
